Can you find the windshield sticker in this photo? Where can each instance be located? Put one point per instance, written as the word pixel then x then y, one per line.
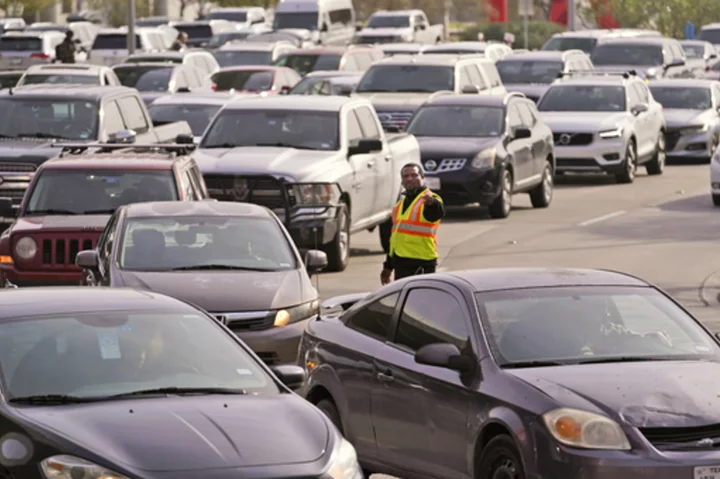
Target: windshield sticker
pixel 244 372
pixel 126 329
pixel 109 345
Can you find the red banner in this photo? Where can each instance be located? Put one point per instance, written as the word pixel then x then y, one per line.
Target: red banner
pixel 498 11
pixel 603 17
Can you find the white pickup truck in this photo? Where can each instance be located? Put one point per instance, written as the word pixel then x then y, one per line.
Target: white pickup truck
pixel 326 168
pixel 400 26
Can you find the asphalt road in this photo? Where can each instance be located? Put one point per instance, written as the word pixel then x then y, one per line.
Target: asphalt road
pixel 662 228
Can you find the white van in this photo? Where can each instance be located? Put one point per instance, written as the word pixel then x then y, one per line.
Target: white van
pixel 241 16
pixel 110 46
pixel 331 22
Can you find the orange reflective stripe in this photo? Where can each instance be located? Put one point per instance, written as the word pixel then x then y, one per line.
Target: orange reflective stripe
pixel 415 233
pixel 416 228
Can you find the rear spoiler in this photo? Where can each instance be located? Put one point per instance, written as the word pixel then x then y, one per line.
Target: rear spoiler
pixel 340 304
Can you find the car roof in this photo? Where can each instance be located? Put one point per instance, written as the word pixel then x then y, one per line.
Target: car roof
pixel 536 55
pixel 164 209
pixel 9 73
pixel 684 83
pixel 469 45
pixel 248 46
pixel 294 102
pixel 205 98
pixel 112 161
pixel 86 70
pixel 471 100
pixel 321 51
pixel 19 302
pixel 659 41
pixel 694 42
pixel 251 68
pixel 591 79
pixel 79 92
pixel 333 74
pixel 424 59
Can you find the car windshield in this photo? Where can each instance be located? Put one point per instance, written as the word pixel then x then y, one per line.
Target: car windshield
pixel 583 98
pixel 221 39
pixel 514 71
pixel 590 324
pixel 197 116
pixel 627 54
pixel 114 41
pixel 693 50
pixel 231 58
pixel 566 43
pixel 457 121
pixel 388 21
pixel 165 244
pixel 84 79
pixel 103 354
pixel 145 78
pixel 61 191
pixel 243 80
pixel 407 78
pixel 711 35
pixel 8 81
pixel 62 118
pixel 195 32
pixel 682 98
pixel 20 44
pixel 301 20
pixel 240 17
pixel 308 130
pixel 304 64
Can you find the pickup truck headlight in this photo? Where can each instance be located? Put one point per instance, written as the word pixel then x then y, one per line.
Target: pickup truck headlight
pixel 694 129
pixel 297 313
pixel 70 467
pixel 344 463
pixel 26 248
pixel 484 159
pixel 315 194
pixel 616 133
pixel 586 430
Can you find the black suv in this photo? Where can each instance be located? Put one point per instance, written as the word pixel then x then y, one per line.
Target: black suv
pixel 483 149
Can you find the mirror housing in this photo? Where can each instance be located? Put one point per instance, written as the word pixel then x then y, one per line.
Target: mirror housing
pixel 469 89
pixel 677 62
pixel 444 355
pixel 522 133
pixel 123 136
pixel 87 259
pixel 712 56
pixel 290 375
pixel 315 260
pixel 183 89
pixel 346 90
pixel 639 108
pixel 365 146
pixel 6 208
pixel 185 139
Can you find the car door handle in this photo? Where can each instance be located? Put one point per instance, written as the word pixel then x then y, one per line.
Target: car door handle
pixel 371 163
pixel 385 377
pixel 388 158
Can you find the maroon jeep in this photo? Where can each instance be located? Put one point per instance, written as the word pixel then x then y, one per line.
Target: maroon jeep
pixel 69 202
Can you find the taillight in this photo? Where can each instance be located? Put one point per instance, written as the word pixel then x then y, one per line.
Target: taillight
pixel 214 87
pixel 41 56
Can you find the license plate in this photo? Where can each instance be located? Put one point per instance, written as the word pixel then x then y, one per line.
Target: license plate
pixel 433 183
pixel 707 472
pixel 16 61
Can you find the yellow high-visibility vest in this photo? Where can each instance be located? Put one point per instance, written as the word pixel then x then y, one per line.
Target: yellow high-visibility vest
pixel 412 236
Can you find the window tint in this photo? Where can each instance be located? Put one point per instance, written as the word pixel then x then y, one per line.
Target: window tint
pixel 115 41
pixel 354 131
pixel 133 114
pixel 105 243
pixel 431 316
pixel 374 320
pixel 368 122
pixel 112 120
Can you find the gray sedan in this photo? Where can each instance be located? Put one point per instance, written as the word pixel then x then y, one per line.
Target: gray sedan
pixel 518 373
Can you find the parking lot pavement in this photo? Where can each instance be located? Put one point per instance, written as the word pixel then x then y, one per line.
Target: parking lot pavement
pixel 663 229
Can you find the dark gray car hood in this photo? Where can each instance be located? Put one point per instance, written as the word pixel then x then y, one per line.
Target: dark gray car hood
pixel 647 394
pixel 192 433
pixel 226 291
pixel 32 151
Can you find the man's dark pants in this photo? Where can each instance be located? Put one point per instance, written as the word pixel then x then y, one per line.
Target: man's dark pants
pixel 405 271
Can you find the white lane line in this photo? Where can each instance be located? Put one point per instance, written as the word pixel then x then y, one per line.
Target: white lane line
pixel 602 218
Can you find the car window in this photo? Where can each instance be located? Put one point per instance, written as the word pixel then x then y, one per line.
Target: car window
pixel 525 115
pixel 133 113
pixel 368 123
pixel 350 63
pixel 104 246
pixel 431 316
pixel 464 77
pixel 633 97
pixel 476 77
pixel 354 132
pixel 642 92
pixel 514 118
pixel 374 319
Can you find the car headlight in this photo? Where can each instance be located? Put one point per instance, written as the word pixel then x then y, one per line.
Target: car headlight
pixel 315 193
pixel 484 159
pixel 615 133
pixel 651 73
pixel 344 463
pixel 694 129
pixel 586 430
pixel 70 467
pixel 296 313
pixel 26 248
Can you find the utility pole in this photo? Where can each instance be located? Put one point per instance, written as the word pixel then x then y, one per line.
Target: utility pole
pixel 131 27
pixel 571 15
pixel 526 21
pixel 446 19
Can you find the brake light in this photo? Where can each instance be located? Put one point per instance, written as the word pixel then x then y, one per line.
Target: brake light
pixel 42 56
pixel 214 87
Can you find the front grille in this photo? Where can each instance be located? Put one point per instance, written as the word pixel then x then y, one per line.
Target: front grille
pixel 576 162
pixel 698 438
pixel 247 321
pixel 260 190
pixel 62 252
pixel 11 191
pixel 394 119
pixel 572 139
pixel 17 168
pixel 671 139
pixel 444 165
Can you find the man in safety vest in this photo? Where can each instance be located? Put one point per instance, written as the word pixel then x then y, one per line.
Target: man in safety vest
pixel 416 218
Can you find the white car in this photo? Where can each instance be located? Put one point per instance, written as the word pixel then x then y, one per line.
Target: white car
pixel 715 177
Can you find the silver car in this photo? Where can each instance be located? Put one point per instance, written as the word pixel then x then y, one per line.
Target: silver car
pixel 691 114
pixel 605 123
pixel 20 50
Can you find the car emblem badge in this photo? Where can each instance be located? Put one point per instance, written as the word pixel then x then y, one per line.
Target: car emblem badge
pixel 240 190
pixel 707 442
pixel 565 139
pixel 430 165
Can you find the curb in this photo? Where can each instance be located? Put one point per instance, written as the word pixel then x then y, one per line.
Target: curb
pixel 709 291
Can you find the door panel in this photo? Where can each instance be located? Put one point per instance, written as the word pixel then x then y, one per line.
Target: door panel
pixel 363 180
pixel 520 149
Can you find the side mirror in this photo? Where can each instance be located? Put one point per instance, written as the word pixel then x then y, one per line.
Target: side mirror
pixel 444 355
pixel 185 139
pixel 183 89
pixel 285 89
pixel 521 133
pixel 346 91
pixel 123 136
pixel 324 28
pixel 639 108
pixel 315 260
pixel 712 56
pixel 6 208
pixel 470 89
pixel 87 259
pixel 365 146
pixel 290 375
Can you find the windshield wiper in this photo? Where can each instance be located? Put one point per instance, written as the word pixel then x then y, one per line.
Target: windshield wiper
pixel 51 212
pixel 223 145
pixel 99 212
pixel 51 399
pixel 180 391
pixel 622 359
pixel 42 135
pixel 284 145
pixel 531 364
pixel 199 267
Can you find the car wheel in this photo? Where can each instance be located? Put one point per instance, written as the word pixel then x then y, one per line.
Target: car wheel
pixel 338 250
pixel 501 207
pixel 500 459
pixel 628 174
pixel 330 410
pixel 542 194
pixel 385 230
pixel 657 165
pixel 716 200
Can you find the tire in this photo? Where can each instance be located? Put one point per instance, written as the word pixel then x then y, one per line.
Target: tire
pixel 656 166
pixel 500 459
pixel 716 200
pixel 338 250
pixel 501 207
pixel 541 195
pixel 628 175
pixel 385 230
pixel 330 410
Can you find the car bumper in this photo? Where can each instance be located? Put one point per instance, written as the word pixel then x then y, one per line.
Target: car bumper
pixel 276 345
pixel 693 146
pixel 36 278
pixel 600 156
pixel 468 185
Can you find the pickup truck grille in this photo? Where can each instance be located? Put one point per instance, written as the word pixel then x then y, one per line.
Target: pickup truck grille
pixel 17 168
pixel 260 190
pixel 14 180
pixel 394 119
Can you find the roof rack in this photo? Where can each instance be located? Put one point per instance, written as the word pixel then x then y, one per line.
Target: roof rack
pixel 174 149
pixel 624 74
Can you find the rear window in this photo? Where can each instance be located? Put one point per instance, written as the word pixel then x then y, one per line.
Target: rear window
pixel 145 78
pixel 243 80
pixel 61 79
pixel 114 41
pixel 232 58
pixel 20 44
pixel 569 43
pixel 196 31
pixel 304 64
pixel 231 16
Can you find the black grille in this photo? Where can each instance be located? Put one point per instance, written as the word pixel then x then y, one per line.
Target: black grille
pixel 671 139
pixel 16 194
pixel 63 251
pixel 572 139
pixel 682 437
pixel 253 324
pixel 260 190
pixel 17 167
pixel 575 162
